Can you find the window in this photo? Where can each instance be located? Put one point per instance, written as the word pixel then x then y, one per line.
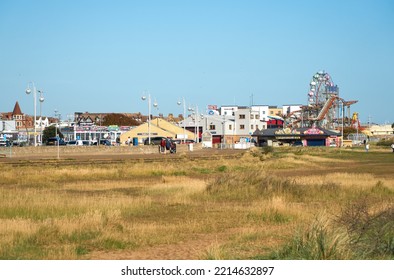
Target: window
pixel 251 126
pixel 272 112
pixel 242 126
pixel 242 117
pixel 230 127
pixel 257 126
pixel 251 116
pixel 212 127
pixel 257 116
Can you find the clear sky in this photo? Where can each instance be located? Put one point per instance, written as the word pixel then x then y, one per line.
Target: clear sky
pixel 100 56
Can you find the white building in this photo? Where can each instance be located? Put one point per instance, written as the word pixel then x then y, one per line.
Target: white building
pixel 216 125
pixel 228 110
pixel 7 125
pixel 247 119
pixel 232 124
pixel 263 111
pixel 41 123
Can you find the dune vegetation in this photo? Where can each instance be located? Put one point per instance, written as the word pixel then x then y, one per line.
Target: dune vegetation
pixel 284 203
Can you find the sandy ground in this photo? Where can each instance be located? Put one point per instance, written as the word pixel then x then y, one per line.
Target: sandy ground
pixel 190 249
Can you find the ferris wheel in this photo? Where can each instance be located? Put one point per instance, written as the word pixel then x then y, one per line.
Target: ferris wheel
pixel 321 88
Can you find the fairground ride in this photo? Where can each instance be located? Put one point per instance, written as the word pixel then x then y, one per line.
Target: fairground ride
pixel 325 108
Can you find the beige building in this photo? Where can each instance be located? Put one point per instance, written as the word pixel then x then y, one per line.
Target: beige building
pixel 379 130
pixel 275 111
pixel 158 127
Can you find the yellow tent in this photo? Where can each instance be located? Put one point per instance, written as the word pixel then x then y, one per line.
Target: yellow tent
pixel 158 127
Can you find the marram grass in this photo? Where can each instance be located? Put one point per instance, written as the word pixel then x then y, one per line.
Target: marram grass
pixel 260 206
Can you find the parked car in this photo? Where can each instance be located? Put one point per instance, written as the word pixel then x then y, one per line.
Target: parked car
pixel 181 141
pixel 5 143
pixel 71 143
pixel 87 143
pixel 74 143
pixel 105 142
pixel 19 143
pixel 154 140
pixel 53 141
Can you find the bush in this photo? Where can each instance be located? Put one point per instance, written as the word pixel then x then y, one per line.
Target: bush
pixel 371 232
pixel 358 233
pixel 267 150
pixel 385 142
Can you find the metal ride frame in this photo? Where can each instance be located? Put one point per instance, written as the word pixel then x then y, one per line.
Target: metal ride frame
pixel 325 108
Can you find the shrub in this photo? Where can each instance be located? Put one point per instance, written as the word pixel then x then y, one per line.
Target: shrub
pixel 371 232
pixel 222 168
pixel 385 142
pixel 267 150
pixel 358 233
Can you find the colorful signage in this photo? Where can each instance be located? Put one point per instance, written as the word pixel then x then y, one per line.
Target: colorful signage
pixel 313 131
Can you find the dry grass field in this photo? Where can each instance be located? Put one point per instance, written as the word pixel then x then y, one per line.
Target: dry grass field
pixel 284 203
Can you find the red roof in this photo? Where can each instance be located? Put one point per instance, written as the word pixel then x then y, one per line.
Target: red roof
pixel 17 109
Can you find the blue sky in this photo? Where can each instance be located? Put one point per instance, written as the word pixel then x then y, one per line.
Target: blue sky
pixel 100 56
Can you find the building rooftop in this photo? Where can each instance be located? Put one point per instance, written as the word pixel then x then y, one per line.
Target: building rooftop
pixel 17 110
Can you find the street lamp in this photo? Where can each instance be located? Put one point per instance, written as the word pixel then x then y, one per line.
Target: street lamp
pixel 194 111
pixel 149 112
pixel 190 109
pixel 41 99
pixel 57 114
pixel 342 122
pixel 343 112
pixel 184 114
pixel 28 91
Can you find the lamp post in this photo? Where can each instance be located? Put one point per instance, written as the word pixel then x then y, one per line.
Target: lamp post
pixel 57 114
pixel 144 97
pixel 194 112
pixel 184 114
pixel 28 91
pixel 41 99
pixel 343 120
pixel 343 112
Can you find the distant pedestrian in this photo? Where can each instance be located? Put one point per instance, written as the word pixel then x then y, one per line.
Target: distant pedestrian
pixel 128 141
pixel 163 146
pixel 367 147
pixel 168 144
pixel 392 147
pixel 173 147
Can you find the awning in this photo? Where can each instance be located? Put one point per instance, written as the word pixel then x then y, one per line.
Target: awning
pixel 275 118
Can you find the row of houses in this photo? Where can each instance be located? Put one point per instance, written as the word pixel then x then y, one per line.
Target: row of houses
pixel 227 125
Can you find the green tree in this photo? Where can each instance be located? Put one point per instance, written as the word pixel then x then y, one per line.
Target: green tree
pixel 349 130
pixel 49 132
